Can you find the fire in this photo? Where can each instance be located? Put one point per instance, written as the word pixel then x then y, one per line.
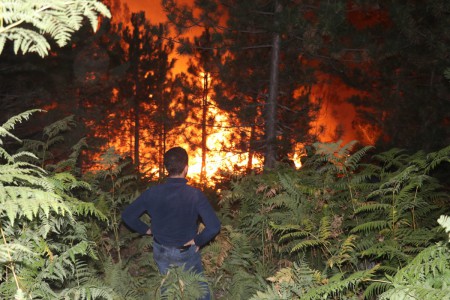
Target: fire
pixel 336 119
pixel 220 159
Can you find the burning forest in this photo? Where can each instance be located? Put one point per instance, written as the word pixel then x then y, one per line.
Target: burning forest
pixel 318 132
pixel 132 91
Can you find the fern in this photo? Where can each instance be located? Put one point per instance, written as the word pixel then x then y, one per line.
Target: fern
pixel 344 253
pixel 444 221
pixel 55 18
pixel 425 277
pixel 11 123
pixel 290 283
pixel 340 285
pixel 436 158
pixel 300 282
pixel 180 284
pixel 45 247
pixel 315 211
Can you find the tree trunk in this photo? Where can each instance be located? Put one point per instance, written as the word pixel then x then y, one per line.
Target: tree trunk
pixel 250 148
pixel 136 132
pixel 136 111
pixel 270 157
pixel 162 136
pixel 204 120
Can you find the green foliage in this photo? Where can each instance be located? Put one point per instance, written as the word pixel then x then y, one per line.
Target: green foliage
pixel 357 219
pixel 291 283
pixel 45 250
pixel 426 276
pixel 397 211
pixel 181 284
pixel 444 221
pixel 24 189
pixel 26 23
pixel 301 282
pixel 357 228
pixel 115 187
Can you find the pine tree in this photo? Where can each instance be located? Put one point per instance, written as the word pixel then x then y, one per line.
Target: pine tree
pixel 149 87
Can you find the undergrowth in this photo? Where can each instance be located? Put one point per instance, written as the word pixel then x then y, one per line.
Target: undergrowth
pixel 349 224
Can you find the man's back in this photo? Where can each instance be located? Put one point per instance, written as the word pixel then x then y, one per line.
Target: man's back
pixel 174 208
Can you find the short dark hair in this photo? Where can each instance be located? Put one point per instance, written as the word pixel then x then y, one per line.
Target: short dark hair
pixel 175 160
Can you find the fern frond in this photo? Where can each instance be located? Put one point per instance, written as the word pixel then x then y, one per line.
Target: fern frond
pixel 340 285
pixel 375 288
pixel 344 252
pixel 56 18
pixel 88 292
pixel 13 250
pixel 325 228
pixel 55 129
pixel 178 284
pixel 305 244
pixel 371 226
pixel 11 122
pixel 394 158
pixel 373 207
pixel 436 158
pixel 353 160
pixel 444 221
pixel 289 185
pixel 23 201
pixel 293 236
pixel 387 250
pixel 425 277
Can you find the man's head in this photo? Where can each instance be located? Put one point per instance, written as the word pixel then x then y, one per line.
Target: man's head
pixel 175 161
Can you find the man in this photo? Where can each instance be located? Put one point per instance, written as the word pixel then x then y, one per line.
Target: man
pixel 174 208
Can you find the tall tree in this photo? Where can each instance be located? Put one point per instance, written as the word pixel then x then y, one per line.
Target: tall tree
pixel 136 40
pixel 151 89
pixel 271 105
pixel 164 90
pixel 203 67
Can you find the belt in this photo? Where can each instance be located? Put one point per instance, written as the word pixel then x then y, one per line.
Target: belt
pixel 181 248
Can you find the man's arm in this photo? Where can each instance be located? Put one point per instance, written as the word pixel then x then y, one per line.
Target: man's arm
pixel 132 213
pixel 209 219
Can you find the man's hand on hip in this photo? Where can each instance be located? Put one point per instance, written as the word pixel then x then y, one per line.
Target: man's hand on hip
pixel 192 243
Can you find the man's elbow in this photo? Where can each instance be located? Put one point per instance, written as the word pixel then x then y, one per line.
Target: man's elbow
pixel 216 228
pixel 124 217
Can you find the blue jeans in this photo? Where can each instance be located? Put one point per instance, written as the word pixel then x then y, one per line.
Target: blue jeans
pixel 171 256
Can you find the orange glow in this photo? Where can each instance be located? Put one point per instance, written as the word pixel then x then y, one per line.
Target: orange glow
pixel 50 106
pixel 367 15
pixel 336 119
pixel 152 8
pixel 155 14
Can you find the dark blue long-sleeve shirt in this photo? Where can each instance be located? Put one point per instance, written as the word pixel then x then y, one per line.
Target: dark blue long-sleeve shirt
pixel 174 208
